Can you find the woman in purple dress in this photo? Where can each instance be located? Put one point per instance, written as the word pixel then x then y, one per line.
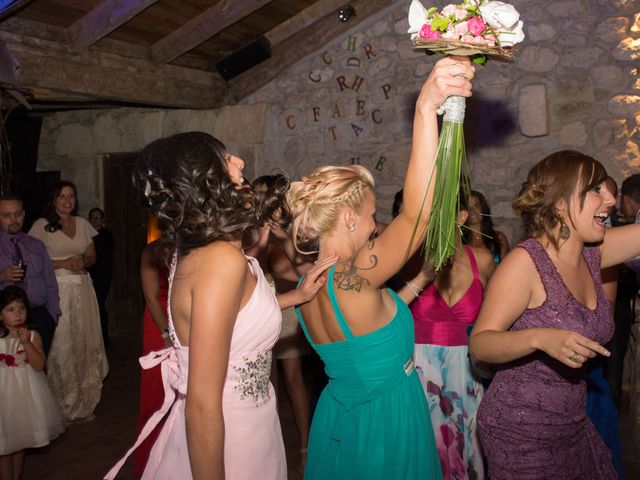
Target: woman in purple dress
pixel 544 316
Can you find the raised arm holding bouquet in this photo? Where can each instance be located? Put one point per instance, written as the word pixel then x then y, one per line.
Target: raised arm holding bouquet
pixel 480 30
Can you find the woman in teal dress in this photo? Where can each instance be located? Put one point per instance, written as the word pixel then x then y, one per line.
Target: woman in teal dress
pixel 372 420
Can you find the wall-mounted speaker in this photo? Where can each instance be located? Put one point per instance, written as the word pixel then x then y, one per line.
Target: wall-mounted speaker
pixel 244 59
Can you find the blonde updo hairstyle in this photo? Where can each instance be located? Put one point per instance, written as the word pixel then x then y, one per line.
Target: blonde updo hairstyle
pixel 555 178
pixel 317 200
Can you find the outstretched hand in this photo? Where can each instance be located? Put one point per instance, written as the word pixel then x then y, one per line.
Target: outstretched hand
pixel 569 347
pixel 313 281
pixel 450 76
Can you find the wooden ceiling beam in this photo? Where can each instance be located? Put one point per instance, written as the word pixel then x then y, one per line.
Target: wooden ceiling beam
pixel 48 64
pixel 302 20
pixel 102 20
pixel 201 28
pixel 302 44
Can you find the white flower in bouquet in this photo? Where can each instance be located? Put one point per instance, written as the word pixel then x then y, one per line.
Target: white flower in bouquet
pixel 505 20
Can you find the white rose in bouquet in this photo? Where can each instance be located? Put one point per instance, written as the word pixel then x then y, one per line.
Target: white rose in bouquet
pixel 505 20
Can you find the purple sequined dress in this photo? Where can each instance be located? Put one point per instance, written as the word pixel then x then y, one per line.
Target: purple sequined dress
pixel 533 422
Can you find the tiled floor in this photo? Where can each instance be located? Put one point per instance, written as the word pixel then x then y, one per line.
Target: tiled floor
pixel 88 450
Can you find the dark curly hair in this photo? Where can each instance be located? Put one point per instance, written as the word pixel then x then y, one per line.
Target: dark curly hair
pixel 185 180
pixel 50 213
pixel 11 294
pixel 488 234
pixel 272 199
pixel 555 178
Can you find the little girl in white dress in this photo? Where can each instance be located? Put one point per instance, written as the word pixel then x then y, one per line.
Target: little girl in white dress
pixel 29 415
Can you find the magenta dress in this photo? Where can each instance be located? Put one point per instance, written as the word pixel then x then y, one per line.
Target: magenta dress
pixel 253 446
pixel 452 389
pixel 533 420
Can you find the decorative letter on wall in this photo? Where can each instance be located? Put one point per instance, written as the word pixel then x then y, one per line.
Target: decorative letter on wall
pixel 326 58
pixel 353 62
pixel 375 118
pixel 357 83
pixel 316 114
pixel 314 79
pixel 380 164
pixel 358 130
pixel 351 43
pixel 332 129
pixel 386 88
pixel 342 82
pixel 368 51
pixel 359 107
pixel 290 122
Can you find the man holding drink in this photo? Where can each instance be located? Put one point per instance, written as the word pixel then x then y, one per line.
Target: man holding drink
pixel 24 262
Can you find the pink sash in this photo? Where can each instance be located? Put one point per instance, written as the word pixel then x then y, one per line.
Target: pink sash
pixel 173 383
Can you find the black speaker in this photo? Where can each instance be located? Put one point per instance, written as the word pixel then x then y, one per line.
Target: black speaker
pixel 245 58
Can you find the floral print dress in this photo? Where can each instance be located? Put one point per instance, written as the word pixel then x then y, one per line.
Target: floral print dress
pixel 453 391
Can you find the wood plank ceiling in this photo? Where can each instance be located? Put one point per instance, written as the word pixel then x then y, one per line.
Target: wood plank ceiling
pixel 87 53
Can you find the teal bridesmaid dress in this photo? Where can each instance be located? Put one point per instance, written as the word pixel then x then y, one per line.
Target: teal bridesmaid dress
pixel 372 420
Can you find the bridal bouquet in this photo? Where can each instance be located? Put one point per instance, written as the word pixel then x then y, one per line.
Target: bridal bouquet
pixel 479 29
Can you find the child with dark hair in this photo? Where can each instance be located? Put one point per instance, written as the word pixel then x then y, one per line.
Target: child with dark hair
pixel 30 417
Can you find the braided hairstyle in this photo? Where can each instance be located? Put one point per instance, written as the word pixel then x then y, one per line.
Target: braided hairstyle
pixel 185 181
pixel 317 200
pixel 555 178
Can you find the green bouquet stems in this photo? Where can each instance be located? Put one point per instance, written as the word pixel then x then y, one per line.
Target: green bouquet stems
pixel 452 180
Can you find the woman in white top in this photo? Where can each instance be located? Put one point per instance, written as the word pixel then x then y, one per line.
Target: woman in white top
pixel 77 363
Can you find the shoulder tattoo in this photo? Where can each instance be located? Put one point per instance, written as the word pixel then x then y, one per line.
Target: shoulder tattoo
pixel 349 279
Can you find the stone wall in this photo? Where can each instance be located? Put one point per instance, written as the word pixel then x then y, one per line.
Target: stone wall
pixel 77 142
pixel 575 84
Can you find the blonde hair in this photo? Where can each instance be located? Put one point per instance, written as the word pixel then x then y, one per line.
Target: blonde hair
pixel 317 200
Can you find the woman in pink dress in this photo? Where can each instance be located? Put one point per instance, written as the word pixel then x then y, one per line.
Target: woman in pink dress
pixel 220 408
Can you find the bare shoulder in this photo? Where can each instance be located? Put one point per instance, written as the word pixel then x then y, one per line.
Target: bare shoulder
pixel 483 256
pixel 216 257
pixel 517 268
pixel 485 262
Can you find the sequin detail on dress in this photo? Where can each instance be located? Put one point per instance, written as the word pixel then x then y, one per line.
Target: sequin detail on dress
pixel 253 381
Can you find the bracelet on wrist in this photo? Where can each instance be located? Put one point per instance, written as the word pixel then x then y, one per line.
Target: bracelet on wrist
pixel 414 289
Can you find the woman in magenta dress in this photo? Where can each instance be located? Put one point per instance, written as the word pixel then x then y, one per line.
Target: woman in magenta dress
pixel 545 315
pixel 219 407
pixel 443 313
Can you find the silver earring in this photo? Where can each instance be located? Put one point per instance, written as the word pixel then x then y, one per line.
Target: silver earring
pixel 352 227
pixel 564 230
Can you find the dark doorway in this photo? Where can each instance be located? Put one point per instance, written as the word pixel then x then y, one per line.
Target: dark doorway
pixel 127 220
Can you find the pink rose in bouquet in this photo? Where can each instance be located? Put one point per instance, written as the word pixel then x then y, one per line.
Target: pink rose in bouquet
pixel 456 10
pixel 427 32
pixel 476 26
pixel 461 28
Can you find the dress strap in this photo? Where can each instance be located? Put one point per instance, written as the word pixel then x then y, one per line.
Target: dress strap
pixel 334 304
pixel 549 275
pixel 472 260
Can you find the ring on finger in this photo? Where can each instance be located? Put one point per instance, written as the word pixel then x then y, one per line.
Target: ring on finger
pixel 576 357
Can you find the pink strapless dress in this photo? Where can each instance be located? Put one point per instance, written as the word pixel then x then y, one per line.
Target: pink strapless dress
pixel 253 446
